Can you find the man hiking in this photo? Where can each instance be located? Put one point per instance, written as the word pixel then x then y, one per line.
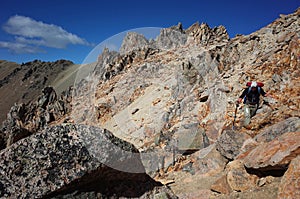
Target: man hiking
pixel 251 100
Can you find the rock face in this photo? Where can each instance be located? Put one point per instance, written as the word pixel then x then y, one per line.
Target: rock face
pixel 204 35
pixel 171 38
pixel 133 41
pixel 230 143
pixel 24 120
pixel 169 104
pixel 290 186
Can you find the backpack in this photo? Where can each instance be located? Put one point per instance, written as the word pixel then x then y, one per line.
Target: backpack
pixel 248 84
pixel 259 84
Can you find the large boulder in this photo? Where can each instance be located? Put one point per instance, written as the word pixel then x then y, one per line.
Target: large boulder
pixel 276 154
pixel 64 158
pixel 230 143
pixel 291 124
pixel 209 161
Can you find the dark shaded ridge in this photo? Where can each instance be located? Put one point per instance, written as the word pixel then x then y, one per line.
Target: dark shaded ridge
pixel 130 185
pixel 267 171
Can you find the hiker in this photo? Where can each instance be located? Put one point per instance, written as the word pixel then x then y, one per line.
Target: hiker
pixel 251 100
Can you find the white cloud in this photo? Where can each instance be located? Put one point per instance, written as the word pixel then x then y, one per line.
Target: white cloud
pixel 29 32
pixel 19 47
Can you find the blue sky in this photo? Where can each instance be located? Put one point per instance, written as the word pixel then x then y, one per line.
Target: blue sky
pixel 58 29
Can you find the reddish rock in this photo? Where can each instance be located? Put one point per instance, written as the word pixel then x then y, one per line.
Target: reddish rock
pixel 201 194
pixel 290 183
pixel 221 186
pixel 238 178
pixel 275 154
pixel 248 145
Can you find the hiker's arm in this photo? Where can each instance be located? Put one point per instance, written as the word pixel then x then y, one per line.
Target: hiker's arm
pixel 242 96
pixel 268 95
pixel 263 93
pixel 239 100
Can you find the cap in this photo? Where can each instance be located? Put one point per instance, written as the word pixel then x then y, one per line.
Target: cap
pixel 253 84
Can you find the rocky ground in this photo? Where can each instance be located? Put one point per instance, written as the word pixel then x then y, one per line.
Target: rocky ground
pixel 155 121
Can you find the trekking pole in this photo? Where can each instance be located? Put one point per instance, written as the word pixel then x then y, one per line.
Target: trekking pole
pixel 236 107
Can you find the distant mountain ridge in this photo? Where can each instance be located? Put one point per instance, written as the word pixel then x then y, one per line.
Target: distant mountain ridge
pixel 22 83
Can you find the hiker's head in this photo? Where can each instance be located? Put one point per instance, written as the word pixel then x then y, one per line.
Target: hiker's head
pixel 253 86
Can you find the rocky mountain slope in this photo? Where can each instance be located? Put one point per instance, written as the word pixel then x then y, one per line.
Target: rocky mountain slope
pixel 22 83
pixel 155 121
